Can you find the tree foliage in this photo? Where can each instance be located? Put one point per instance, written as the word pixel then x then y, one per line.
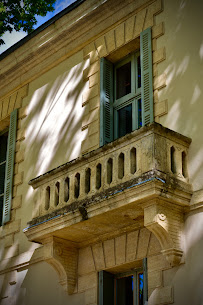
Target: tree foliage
pixel 21 14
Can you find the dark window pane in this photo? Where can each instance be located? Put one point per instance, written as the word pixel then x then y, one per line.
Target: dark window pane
pixel 124 120
pixel 106 288
pixel 3 147
pixel 124 291
pixel 123 80
pixel 139 113
pixel 2 177
pixel 140 283
pixel 138 72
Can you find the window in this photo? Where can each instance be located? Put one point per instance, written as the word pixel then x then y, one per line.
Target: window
pixel 126 92
pixel 123 289
pixel 7 152
pixel 127 95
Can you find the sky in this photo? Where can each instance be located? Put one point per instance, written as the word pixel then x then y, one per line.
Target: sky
pixel 11 38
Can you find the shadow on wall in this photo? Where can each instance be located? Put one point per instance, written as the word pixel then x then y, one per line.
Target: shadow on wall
pixel 55 119
pixel 184 58
pixel 187 280
pixel 39 285
pixel 53 137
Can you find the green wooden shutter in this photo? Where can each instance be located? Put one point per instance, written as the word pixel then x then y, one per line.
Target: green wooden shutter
pixel 145 281
pixel 9 167
pixel 146 77
pixel 106 101
pixel 106 288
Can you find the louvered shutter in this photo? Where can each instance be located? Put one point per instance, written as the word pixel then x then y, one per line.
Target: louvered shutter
pixel 106 101
pixel 146 77
pixel 145 281
pixel 9 167
pixel 106 288
pixel 3 147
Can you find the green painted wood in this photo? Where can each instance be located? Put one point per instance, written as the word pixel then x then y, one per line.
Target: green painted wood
pixel 146 77
pixel 106 101
pixel 3 146
pixel 145 284
pixel 9 167
pixel 106 288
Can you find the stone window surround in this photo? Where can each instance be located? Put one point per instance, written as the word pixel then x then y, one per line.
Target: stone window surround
pixel 114 45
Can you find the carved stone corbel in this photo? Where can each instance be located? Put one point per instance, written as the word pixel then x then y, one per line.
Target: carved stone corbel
pixel 62 255
pixel 165 220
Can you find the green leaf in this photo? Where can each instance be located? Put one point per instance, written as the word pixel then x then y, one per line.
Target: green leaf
pixel 22 14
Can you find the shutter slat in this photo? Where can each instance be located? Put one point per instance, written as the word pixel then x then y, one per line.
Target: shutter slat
pixel 146 76
pixel 9 167
pixel 106 101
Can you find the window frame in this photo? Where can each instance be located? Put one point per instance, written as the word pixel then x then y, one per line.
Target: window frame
pixel 108 130
pixel 131 98
pixel 107 104
pixel 135 273
pixel 107 292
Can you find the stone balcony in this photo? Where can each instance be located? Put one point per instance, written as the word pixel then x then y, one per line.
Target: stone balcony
pixel 138 180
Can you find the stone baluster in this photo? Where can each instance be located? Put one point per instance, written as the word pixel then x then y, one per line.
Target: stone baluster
pixel 72 188
pixel 52 196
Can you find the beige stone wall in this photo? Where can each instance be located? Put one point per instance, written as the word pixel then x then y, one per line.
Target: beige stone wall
pixel 53 99
pixel 37 284
pixel 184 82
pixel 58 120
pixel 8 232
pixel 183 70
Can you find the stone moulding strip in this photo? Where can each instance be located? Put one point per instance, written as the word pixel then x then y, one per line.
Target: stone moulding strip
pixel 21 263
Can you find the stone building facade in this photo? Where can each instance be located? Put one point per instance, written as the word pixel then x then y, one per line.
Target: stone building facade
pixel 101 108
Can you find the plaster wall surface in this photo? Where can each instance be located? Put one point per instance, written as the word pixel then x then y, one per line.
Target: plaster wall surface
pixel 53 128
pixel 187 279
pixel 54 133
pixel 184 82
pixel 36 285
pixel 55 114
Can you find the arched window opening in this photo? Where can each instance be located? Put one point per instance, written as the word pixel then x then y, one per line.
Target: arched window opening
pixel 47 198
pixel 98 176
pixel 87 180
pixel 133 160
pixel 109 170
pixel 77 185
pixel 121 166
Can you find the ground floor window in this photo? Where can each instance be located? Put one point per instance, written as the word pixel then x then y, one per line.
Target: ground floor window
pixel 129 288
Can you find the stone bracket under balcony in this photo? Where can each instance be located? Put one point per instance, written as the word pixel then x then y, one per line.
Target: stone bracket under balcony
pixel 165 220
pixel 138 180
pixel 62 255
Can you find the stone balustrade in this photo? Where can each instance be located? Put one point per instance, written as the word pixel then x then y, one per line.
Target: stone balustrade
pixel 144 150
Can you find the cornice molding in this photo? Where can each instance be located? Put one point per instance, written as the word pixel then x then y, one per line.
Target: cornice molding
pixel 61 39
